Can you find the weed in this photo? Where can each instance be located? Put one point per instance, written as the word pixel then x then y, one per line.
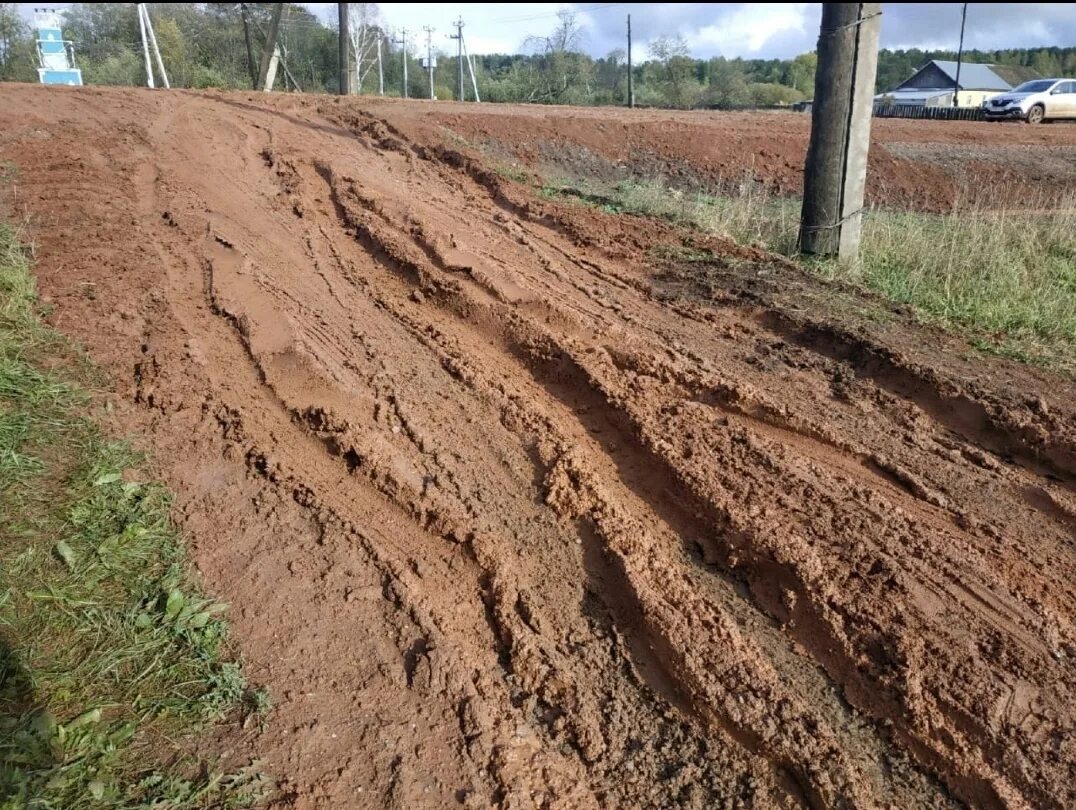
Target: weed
pixel 108 653
pixel 1005 278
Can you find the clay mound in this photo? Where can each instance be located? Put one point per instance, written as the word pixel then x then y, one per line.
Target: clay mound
pixel 918 165
pixel 510 516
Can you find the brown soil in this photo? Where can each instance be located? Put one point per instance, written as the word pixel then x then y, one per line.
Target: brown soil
pixel 511 514
pixel 926 165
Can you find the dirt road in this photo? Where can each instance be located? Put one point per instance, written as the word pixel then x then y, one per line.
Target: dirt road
pixel 511 515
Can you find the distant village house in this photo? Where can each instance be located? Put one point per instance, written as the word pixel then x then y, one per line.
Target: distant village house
pixel 934 83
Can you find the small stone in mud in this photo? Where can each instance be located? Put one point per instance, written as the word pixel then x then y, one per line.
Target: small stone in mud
pixel 1038 405
pixel 417 296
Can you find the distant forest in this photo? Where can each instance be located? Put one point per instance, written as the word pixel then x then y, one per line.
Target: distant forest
pixel 204 45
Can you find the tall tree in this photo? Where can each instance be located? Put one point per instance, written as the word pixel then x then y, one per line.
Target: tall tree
pixel 675 76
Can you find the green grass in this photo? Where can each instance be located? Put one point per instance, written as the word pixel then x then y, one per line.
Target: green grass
pixel 110 659
pixel 1005 279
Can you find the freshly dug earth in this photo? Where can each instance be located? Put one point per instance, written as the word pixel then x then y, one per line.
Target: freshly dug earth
pixel 512 514
pixel 918 165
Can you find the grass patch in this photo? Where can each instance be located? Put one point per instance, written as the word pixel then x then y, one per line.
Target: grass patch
pixel 1005 279
pixel 110 659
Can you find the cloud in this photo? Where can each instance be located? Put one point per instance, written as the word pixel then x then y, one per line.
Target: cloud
pixel 751 30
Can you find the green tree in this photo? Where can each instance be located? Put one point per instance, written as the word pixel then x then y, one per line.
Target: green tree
pixel 800 72
pixel 675 73
pixel 728 85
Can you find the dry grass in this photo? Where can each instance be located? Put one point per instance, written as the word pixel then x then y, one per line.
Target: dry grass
pixel 1005 278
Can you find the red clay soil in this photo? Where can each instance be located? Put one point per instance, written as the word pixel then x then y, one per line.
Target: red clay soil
pixel 510 516
pixel 926 165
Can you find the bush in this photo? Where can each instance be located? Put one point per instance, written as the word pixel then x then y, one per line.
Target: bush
pixel 765 94
pixel 202 77
pixel 123 67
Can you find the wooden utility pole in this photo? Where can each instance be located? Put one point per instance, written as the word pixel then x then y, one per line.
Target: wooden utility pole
pixel 345 54
pixel 402 42
pixel 836 165
pixel 250 48
pixel 270 47
pixel 631 78
pixel 960 56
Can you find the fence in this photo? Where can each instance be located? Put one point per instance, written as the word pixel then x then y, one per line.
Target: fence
pixel 929 113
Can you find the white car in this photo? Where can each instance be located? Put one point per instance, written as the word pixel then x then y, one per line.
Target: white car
pixel 1035 101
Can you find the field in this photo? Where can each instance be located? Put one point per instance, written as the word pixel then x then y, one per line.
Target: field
pixel 522 498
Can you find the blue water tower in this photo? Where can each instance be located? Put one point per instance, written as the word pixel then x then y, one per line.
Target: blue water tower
pixel 55 55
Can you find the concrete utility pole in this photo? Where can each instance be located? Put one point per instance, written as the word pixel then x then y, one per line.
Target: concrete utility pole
pixel 429 56
pixel 270 50
pixel 156 50
pixel 380 67
pixel 145 46
pixel 470 67
pixel 631 79
pixel 345 53
pixel 836 165
pixel 960 56
pixel 458 36
pixel 402 42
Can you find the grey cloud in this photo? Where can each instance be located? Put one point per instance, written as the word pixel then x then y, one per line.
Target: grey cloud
pixel 904 25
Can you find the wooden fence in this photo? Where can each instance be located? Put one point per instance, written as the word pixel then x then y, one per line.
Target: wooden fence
pixel 929 113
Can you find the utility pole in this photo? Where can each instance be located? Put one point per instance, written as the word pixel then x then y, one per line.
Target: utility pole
pixel 470 67
pixel 145 46
pixel 402 42
pixel 153 42
pixel 250 49
pixel 631 79
pixel 429 56
pixel 960 56
pixel 345 54
pixel 835 171
pixel 270 50
pixel 380 67
pixel 458 36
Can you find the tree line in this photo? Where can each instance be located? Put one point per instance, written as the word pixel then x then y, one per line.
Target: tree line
pixel 205 45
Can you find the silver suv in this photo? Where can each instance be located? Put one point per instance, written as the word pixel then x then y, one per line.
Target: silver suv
pixel 1035 101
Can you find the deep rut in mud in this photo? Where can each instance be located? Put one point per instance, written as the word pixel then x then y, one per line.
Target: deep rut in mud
pixel 507 518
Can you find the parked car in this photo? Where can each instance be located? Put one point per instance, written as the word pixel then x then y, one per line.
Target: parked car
pixel 1035 101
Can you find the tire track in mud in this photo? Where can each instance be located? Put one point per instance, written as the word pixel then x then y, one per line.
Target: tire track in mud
pixel 235 321
pixel 565 395
pixel 426 248
pixel 622 564
pixel 980 789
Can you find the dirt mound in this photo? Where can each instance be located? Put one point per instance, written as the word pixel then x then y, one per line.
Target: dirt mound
pixel 923 165
pixel 511 515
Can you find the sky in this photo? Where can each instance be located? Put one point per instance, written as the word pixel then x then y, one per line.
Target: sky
pixel 750 30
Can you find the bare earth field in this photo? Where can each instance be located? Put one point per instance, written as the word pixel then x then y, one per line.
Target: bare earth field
pixel 511 513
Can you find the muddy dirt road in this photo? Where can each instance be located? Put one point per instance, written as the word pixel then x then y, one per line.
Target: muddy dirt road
pixel 509 515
